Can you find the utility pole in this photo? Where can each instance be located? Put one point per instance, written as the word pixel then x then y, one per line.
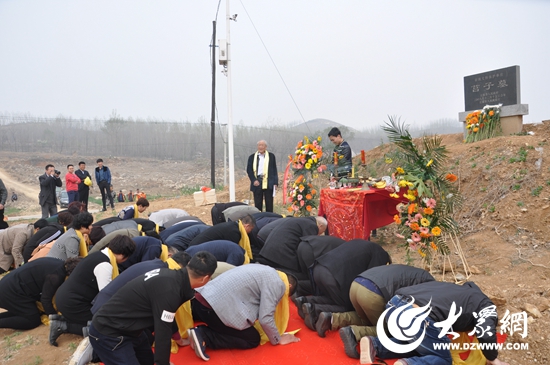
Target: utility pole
pixel 230 109
pixel 213 113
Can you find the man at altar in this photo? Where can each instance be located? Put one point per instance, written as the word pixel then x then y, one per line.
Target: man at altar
pixel 262 172
pixel 341 154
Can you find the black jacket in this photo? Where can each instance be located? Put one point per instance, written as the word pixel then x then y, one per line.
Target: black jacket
pixel 467 297
pixel 147 301
pixel 390 278
pixel 272 177
pixel 47 189
pixel 82 175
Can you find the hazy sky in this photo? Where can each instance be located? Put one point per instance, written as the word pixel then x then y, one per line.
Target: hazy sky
pixel 351 61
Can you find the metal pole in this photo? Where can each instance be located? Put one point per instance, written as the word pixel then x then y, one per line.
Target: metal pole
pixel 230 112
pixel 213 113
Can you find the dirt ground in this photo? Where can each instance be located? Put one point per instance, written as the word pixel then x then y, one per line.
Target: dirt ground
pixel 505 184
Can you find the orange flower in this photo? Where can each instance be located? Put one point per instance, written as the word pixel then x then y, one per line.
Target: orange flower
pixel 300 144
pixel 308 197
pixel 491 113
pixel 396 219
pixel 436 231
pixel 412 208
pixel 313 191
pixel 425 235
pixel 428 211
pixel 309 208
pixel 451 177
pixel 299 179
pixel 310 185
pixel 434 247
pixel 414 226
pixel 476 129
pixel 289 208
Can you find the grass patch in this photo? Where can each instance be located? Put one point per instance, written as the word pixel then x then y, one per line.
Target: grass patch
pixel 520 157
pixel 12 211
pixel 520 204
pixel 516 187
pixel 536 191
pixel 72 346
pixel 37 361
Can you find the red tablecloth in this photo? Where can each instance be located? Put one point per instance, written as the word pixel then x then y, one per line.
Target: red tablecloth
pixel 354 214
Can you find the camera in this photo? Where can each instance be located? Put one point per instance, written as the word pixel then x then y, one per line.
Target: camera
pixel 57 172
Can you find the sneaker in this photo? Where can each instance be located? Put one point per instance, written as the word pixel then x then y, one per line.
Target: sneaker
pixel 368 353
pixel 350 343
pixel 83 353
pixel 197 343
pixel 58 325
pixel 103 210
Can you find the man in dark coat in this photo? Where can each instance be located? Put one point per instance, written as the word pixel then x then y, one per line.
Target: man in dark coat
pixel 463 308
pixel 47 197
pixel 309 249
pixel 178 227
pixel 333 274
pixel 279 250
pixel 83 189
pixel 262 172
pixel 33 282
pixel 262 219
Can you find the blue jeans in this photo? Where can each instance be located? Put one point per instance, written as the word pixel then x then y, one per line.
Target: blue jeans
pixel 73 196
pixel 425 354
pixel 122 350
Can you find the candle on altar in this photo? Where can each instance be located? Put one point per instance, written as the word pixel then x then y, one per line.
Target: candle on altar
pixel 353 171
pixel 335 158
pixel 363 157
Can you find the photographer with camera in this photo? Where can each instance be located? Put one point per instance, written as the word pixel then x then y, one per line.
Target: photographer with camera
pixel 47 197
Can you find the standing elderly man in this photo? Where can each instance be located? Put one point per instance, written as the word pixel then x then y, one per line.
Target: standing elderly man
pixel 3 198
pixel 103 178
pixel 47 198
pixel 262 172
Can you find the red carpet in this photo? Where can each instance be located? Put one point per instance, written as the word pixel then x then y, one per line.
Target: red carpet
pixel 311 350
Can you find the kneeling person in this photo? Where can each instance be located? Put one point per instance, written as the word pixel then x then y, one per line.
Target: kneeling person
pixel 150 300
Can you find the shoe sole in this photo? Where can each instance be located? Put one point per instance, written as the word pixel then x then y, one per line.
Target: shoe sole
pixel 319 325
pixel 81 353
pixel 351 350
pixel 366 356
pixel 308 320
pixel 195 345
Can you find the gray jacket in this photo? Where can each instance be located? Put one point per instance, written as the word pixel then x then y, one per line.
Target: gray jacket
pixel 245 294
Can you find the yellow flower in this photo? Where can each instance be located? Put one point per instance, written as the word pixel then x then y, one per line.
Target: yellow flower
pixel 410 197
pixel 341 157
pixel 388 160
pixel 306 139
pixel 421 253
pixel 309 161
pixel 400 170
pixel 319 138
pixel 314 150
pixel 403 183
pixel 436 231
pixel 394 195
pixel 308 166
pixel 429 163
pixel 425 222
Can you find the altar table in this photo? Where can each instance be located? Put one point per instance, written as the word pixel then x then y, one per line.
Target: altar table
pixel 355 213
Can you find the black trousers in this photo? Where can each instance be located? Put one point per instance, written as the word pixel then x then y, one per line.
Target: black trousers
pixel 219 336
pixel 105 189
pixel 3 225
pixel 260 195
pixel 329 299
pixel 83 197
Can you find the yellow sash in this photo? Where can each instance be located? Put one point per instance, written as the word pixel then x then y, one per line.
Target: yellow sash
pixel 281 312
pixel 83 248
pixel 266 167
pixel 475 357
pixel 136 211
pixel 245 242
pixel 113 262
pixel 184 318
pixel 164 254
